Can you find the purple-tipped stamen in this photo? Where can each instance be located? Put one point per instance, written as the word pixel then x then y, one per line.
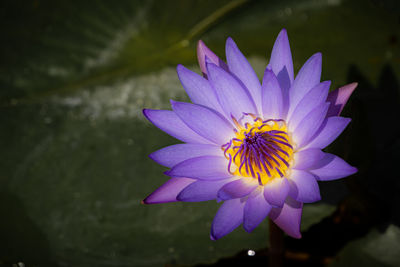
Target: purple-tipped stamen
pixel 283 143
pixel 228 145
pixel 261 152
pixel 279 171
pixel 259 179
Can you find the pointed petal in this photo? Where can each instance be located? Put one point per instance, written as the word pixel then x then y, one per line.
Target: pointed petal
pixel 308 77
pixel 339 97
pixel 272 101
pixel 306 159
pixel 237 189
pixel 202 52
pixel 289 217
pixel 281 60
pixel 228 217
pixel 332 167
pixel 170 123
pixel 304 187
pixel 171 155
pixel 310 101
pixel 168 191
pixel 202 168
pixel 204 121
pixel 330 129
pixel 309 125
pixel 233 97
pixel 255 211
pixel 201 190
pixel 198 89
pixel 276 191
pixel 240 67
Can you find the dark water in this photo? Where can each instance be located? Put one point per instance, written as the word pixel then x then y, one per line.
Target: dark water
pixel 74 77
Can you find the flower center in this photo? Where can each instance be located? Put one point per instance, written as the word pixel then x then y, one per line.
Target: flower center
pixel 261 150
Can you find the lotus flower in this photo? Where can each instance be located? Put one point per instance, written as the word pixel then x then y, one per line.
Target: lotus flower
pixel 255 146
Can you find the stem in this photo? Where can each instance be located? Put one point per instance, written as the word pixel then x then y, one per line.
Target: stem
pixel 276 245
pixel 204 24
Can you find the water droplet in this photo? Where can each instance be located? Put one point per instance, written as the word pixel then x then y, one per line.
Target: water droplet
pixel 251 252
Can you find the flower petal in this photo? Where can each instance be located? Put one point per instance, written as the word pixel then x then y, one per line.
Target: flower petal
pixel 202 52
pixel 308 77
pixel 228 217
pixel 204 121
pixel 170 123
pixel 237 189
pixel 171 155
pixel 281 60
pixel 202 168
pixel 307 158
pixel 332 167
pixel 233 97
pixel 255 211
pixel 330 129
pixel 272 101
pixel 198 89
pixel 276 191
pixel 240 67
pixel 304 187
pixel 201 190
pixel 309 125
pixel 338 98
pixel 289 217
pixel 168 191
pixel 315 97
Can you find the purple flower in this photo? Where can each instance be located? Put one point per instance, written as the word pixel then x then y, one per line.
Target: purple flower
pixel 257 147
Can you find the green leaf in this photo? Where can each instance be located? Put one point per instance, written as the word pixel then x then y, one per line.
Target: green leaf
pixel 376 249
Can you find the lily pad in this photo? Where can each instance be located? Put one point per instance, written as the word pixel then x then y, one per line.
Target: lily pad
pixel 376 249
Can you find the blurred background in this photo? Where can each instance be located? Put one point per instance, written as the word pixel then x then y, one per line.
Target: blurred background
pixel 74 77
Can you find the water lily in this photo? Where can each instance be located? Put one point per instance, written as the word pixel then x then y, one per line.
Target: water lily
pixel 256 147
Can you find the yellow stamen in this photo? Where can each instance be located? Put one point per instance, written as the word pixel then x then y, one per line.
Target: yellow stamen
pixel 261 150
